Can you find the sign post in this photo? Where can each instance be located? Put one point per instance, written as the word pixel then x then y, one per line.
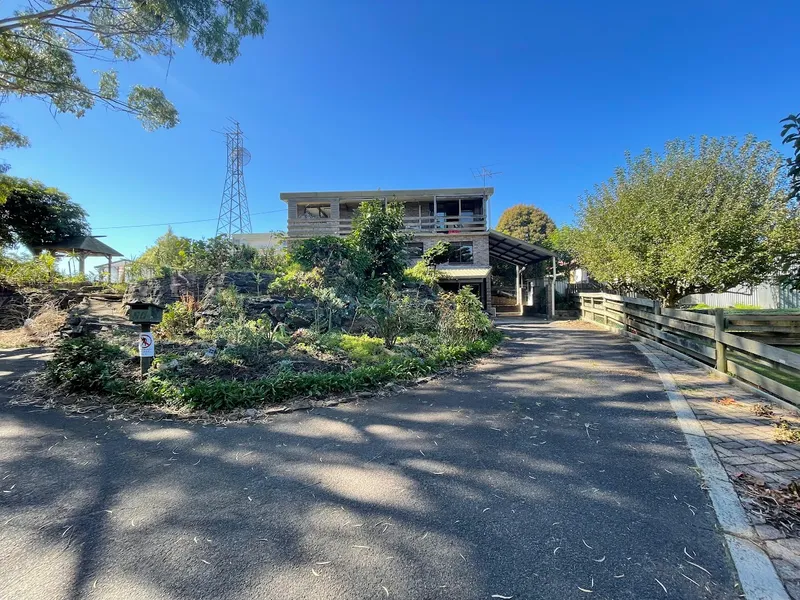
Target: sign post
pixel 147 349
pixel 146 314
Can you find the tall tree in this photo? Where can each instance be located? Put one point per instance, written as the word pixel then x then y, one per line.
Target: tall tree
pixel 791 135
pixel 526 222
pixel 378 230
pixel 32 213
pixel 39 45
pixel 698 218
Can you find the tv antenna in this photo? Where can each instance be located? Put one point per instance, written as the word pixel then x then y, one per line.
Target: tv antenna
pixel 234 214
pixel 483 173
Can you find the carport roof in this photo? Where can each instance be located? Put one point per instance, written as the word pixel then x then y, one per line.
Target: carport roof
pixel 515 251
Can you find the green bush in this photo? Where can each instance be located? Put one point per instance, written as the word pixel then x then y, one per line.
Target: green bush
pixel 249 340
pixel 175 253
pixel 395 313
pixel 179 318
pixel 34 271
pixel 461 317
pixel 231 305
pixel 423 273
pixel 87 364
pixel 363 348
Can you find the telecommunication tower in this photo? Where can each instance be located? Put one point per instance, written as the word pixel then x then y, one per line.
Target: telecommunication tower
pixel 234 214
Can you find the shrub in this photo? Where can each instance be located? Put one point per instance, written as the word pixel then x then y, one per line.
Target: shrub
pixel 172 252
pixel 251 339
pixel 461 317
pixel 20 272
pixel 231 305
pixel 417 344
pixel 87 364
pixel 342 264
pixel 179 317
pixel 423 273
pixel 363 348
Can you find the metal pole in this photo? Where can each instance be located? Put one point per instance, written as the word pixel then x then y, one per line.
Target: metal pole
pixel 553 292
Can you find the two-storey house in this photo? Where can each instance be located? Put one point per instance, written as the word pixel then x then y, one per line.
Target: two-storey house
pixel 459 216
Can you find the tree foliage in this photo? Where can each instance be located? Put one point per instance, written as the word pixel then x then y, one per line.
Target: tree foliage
pixel 698 218
pixel 561 242
pixel 32 214
pixel 42 43
pixel 526 222
pixel 378 230
pixel 436 255
pixel 342 263
pixel 174 252
pixel 791 136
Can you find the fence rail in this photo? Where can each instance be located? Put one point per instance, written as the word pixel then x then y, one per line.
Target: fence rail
pixel 712 339
pixel 317 227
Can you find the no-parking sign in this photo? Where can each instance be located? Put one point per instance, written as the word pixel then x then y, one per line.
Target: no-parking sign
pixel 146 346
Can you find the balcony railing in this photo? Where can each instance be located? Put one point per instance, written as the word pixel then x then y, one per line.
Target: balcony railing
pixel 301 228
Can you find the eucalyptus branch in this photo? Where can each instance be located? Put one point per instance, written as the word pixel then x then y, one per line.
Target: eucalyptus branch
pixel 21 20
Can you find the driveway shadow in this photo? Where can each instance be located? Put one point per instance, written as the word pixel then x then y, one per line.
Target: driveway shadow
pixel 552 467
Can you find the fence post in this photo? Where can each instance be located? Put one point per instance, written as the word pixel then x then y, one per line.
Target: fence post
pixel 657 313
pixel 719 329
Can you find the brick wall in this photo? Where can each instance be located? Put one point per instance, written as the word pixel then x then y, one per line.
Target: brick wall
pixel 480 244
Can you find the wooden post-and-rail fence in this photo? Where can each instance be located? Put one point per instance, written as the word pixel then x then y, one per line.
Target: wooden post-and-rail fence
pixel 702 337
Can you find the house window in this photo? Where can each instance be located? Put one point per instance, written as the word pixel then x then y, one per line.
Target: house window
pixel 461 252
pixel 414 250
pixel 316 211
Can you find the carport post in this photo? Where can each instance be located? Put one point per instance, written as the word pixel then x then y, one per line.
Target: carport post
pixel 553 292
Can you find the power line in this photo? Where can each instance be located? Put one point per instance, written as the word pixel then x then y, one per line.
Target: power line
pixel 266 212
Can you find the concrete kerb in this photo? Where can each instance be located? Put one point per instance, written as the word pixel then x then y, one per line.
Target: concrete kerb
pixel 756 572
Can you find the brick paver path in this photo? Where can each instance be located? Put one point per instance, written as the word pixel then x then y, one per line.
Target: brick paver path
pixel 745 443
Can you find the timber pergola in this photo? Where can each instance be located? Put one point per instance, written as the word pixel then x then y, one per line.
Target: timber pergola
pixel 82 246
pixel 521 254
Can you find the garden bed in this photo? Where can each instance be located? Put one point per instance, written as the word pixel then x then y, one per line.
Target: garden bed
pixel 197 378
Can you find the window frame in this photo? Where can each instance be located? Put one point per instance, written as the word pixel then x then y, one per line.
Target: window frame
pixel 456 249
pixel 412 255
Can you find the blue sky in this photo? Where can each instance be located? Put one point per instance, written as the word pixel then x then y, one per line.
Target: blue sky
pixel 364 94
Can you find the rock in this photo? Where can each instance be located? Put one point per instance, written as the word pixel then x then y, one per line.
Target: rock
pixel 168 289
pixel 365 394
pixel 793 588
pixel 786 570
pixel 768 532
pixel 251 412
pixel 786 549
pixel 210 352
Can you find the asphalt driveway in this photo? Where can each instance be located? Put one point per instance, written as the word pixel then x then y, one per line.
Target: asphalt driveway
pixel 554 469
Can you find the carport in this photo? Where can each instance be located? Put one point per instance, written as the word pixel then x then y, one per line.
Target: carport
pixel 521 254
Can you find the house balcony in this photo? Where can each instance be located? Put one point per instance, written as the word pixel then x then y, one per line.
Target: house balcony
pixel 314 227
